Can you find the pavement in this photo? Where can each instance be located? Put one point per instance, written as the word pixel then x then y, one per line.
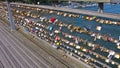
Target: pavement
pixel 21 50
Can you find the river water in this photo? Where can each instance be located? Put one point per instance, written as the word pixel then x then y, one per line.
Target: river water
pixel 108 8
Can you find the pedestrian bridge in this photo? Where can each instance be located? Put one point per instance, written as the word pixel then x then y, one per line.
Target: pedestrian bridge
pixel 78 33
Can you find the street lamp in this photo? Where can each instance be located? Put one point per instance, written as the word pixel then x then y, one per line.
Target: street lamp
pixel 10 16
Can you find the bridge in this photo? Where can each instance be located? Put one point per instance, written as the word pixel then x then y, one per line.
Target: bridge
pixel 100 3
pixel 42 8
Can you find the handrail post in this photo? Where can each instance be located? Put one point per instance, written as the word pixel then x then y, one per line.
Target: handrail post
pixel 10 16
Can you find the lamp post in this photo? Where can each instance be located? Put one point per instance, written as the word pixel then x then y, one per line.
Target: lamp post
pixel 10 16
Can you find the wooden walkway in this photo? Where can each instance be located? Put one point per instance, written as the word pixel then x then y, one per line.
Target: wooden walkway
pixel 22 51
